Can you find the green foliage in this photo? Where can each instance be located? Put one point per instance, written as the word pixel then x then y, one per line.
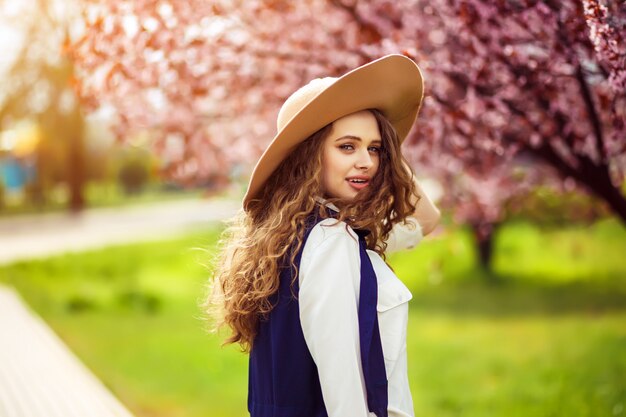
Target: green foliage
pixel 547 206
pixel 133 176
pixel 549 340
pixel 134 166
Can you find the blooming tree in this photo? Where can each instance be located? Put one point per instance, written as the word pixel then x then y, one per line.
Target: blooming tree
pixel 35 84
pixel 512 82
pixel 509 84
pixel 207 78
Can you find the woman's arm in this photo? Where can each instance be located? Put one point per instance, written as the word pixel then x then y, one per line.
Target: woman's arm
pixel 407 234
pixel 426 213
pixel 328 301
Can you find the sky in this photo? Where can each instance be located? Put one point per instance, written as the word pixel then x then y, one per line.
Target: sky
pixel 11 41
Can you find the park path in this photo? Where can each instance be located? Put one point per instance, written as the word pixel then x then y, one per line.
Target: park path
pixel 37 236
pixel 39 375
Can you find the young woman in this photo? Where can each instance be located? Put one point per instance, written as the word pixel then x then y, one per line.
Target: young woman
pixel 302 282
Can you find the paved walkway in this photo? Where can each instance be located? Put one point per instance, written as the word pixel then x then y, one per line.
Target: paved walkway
pixel 39 375
pixel 36 236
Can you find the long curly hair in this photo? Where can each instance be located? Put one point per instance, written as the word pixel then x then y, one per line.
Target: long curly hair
pixel 259 240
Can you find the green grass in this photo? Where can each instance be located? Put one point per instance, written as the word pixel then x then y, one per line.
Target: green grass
pixel 548 339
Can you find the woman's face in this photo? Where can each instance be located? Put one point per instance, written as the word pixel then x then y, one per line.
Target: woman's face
pixel 350 155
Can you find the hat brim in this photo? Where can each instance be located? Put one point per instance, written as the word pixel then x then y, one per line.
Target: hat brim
pixel 392 84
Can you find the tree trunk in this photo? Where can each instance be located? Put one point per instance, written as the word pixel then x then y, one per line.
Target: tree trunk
pixel 484 237
pixel 595 178
pixel 601 186
pixel 76 171
pixel 74 129
pixel 598 183
pixel 37 190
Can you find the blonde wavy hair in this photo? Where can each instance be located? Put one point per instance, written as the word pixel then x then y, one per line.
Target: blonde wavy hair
pixel 257 243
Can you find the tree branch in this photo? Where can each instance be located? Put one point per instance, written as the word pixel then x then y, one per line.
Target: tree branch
pixel 594 117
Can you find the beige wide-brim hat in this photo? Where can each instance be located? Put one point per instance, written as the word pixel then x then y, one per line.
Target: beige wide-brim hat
pixel 392 84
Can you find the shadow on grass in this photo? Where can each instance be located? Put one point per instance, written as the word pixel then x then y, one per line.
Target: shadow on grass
pixel 510 297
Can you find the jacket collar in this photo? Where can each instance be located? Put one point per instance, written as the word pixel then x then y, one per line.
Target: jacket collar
pixel 327 203
pixel 361 232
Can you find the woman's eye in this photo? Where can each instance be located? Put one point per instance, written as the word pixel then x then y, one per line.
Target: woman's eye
pixel 374 149
pixel 346 146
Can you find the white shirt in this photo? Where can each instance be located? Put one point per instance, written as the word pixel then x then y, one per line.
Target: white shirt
pixel 329 281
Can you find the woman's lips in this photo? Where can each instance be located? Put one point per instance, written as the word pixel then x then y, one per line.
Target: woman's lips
pixel 358 185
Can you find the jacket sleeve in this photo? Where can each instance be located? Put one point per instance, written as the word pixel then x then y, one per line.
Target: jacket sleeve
pixel 404 235
pixel 328 299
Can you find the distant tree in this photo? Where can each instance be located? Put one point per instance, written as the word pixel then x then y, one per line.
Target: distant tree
pixel 508 84
pixel 37 85
pixel 133 176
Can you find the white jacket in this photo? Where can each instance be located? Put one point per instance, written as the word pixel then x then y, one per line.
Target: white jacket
pixel 329 282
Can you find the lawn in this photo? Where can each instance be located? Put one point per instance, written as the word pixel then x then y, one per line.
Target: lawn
pixel 548 339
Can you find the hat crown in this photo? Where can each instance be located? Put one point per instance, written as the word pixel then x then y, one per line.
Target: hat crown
pixel 300 98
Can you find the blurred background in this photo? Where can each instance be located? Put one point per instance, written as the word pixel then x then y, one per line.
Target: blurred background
pixel 128 131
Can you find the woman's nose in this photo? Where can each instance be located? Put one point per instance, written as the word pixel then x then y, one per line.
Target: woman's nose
pixel 364 161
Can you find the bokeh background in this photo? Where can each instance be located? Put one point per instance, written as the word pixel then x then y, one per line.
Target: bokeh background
pixel 117 113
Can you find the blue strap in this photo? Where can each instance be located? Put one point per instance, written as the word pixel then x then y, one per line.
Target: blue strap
pixel 372 359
